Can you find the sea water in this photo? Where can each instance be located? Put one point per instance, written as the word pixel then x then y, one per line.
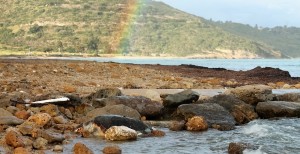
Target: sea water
pixel 265 136
pixel 290 65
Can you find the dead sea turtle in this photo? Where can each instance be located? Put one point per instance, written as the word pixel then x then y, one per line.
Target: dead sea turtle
pixel 100 124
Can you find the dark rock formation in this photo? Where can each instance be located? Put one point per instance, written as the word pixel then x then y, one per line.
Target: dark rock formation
pixel 273 109
pixel 213 113
pixel 242 112
pixel 184 97
pixel 145 106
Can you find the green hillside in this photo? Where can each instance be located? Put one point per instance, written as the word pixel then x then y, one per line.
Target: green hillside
pixel 285 39
pixel 116 26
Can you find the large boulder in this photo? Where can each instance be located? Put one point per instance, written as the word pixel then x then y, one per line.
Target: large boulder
pixel 120 133
pixel 145 106
pixel 289 97
pixel 242 112
pixel 213 113
pixel 184 97
pixel 252 94
pixel 272 109
pixel 114 109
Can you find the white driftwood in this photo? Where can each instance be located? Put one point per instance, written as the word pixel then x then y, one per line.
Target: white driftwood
pixel 49 101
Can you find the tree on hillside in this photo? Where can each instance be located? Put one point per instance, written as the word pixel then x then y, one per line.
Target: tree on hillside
pixel 93 44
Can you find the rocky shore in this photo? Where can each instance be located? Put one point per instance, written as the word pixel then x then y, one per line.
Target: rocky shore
pixel 43 102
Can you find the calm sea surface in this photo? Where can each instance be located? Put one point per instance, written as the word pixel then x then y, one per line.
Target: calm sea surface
pixel 291 65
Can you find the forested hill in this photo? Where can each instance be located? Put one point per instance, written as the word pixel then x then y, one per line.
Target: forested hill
pixel 285 39
pixel 137 27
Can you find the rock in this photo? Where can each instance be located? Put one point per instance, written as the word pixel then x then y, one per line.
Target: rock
pixel 116 110
pixel 58 148
pixel 223 127
pixel 112 150
pixel 157 133
pixel 102 93
pixel 68 114
pixel 242 112
pixel 99 124
pixel 49 135
pixel 272 109
pixel 21 150
pixel 213 113
pixel 69 89
pixel 252 94
pixel 14 139
pixel 60 120
pixel 40 119
pixel 184 97
pixel 10 120
pixel 236 148
pixel 22 114
pixel 40 143
pixel 297 86
pixel 4 112
pixel 26 129
pixel 177 125
pixel 120 133
pixel 12 109
pixel 145 106
pixel 196 123
pixel 83 108
pixel 289 97
pixel 80 148
pixel 51 109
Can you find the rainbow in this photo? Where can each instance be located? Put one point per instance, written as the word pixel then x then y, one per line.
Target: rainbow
pixel 122 37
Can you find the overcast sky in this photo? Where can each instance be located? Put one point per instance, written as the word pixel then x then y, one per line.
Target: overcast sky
pixel 266 13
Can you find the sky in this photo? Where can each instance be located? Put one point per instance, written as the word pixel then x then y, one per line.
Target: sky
pixel 264 13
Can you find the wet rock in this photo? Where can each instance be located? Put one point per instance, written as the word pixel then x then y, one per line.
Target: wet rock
pixel 236 148
pixel 223 127
pixel 115 109
pixel 49 135
pixel 242 112
pixel 40 143
pixel 40 119
pixel 58 148
pixel 120 133
pixel 177 125
pixel 196 123
pixel 112 150
pixel 252 94
pixel 272 109
pixel 289 97
pixel 184 97
pixel 213 113
pixel 21 150
pixel 145 106
pixel 4 112
pixel 60 120
pixel 51 109
pixel 80 148
pixel 157 133
pixel 14 139
pixel 22 114
pixel 10 120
